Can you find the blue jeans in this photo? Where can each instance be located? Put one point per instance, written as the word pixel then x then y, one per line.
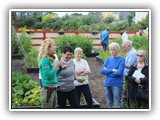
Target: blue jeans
pixel 87 94
pixel 113 95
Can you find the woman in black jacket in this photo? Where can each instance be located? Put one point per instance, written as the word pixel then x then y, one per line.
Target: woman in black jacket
pixel 134 82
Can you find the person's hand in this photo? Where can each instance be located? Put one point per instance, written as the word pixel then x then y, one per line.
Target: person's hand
pixel 64 67
pixel 137 80
pixel 127 66
pixel 57 65
pixel 114 70
pixel 105 68
pixel 85 72
pixel 78 72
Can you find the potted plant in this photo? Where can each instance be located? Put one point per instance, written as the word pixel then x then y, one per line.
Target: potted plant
pixel 94 33
pixel 61 31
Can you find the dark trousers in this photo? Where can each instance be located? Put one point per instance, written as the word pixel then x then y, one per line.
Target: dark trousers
pixel 104 46
pixel 71 96
pixel 87 94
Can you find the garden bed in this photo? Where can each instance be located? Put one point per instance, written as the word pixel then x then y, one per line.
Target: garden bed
pixel 91 54
pixel 98 59
pixel 17 56
pixel 83 105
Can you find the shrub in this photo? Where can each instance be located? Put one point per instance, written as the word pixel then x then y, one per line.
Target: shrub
pixel 26 42
pixel 15 45
pixel 74 41
pixel 138 42
pixel 29 50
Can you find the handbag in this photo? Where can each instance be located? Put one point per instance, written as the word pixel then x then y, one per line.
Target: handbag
pixel 142 93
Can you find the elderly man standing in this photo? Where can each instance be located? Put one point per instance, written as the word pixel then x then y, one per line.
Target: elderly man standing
pixel 104 37
pixel 131 57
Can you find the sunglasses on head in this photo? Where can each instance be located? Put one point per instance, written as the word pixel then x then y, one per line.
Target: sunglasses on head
pixel 139 55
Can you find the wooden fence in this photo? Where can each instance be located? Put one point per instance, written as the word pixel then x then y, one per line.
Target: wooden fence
pixel 39 35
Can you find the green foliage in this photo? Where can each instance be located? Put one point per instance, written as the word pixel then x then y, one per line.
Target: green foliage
pixel 20 90
pixel 130 18
pixel 32 58
pixel 76 21
pixel 30 51
pixel 74 41
pixel 29 22
pixel 138 42
pixel 25 42
pixel 48 16
pixel 109 19
pixel 15 45
pixel 118 26
pixel 145 22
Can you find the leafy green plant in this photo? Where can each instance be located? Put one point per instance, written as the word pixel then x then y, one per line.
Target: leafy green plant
pixel 25 42
pixel 15 45
pixel 29 50
pixel 23 86
pixel 32 58
pixel 74 41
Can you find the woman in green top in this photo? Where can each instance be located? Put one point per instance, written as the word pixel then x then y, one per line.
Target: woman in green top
pixel 48 70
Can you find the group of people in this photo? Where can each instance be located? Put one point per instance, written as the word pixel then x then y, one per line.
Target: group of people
pixel 119 70
pixel 59 77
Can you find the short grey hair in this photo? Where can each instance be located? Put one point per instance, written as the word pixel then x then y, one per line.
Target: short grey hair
pixel 128 42
pixel 143 52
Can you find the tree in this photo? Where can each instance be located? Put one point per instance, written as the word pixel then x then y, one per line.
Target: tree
pixel 48 16
pixel 109 19
pixel 130 18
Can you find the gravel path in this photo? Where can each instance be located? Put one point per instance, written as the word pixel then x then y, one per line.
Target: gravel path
pixel 95 78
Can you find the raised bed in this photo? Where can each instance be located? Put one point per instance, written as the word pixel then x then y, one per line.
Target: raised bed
pixel 91 54
pixel 94 33
pixel 82 106
pixel 17 56
pixel 99 60
pixel 60 33
pixel 32 70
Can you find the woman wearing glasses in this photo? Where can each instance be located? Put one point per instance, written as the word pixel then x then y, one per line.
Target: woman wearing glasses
pixel 138 80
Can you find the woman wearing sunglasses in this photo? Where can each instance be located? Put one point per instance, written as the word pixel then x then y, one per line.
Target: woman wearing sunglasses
pixel 140 79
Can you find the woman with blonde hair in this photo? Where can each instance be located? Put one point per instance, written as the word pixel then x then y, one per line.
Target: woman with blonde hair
pixel 82 70
pixel 48 71
pixel 113 68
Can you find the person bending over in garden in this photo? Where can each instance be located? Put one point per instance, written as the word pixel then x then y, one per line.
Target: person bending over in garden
pixel 104 38
pixel 66 81
pixel 81 83
pixel 113 68
pixel 48 71
pixel 138 82
pixel 131 57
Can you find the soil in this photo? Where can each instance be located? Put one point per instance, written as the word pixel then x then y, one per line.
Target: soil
pixel 95 78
